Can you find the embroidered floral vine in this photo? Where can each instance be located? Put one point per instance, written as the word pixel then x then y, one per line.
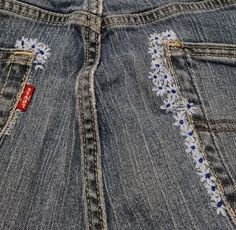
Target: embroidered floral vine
pixel 182 110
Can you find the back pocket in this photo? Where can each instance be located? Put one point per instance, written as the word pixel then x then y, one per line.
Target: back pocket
pixel 206 76
pixel 15 66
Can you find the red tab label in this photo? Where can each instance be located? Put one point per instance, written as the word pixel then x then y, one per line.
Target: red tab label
pixel 25 97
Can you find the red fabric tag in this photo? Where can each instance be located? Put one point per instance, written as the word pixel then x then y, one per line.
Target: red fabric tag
pixel 25 97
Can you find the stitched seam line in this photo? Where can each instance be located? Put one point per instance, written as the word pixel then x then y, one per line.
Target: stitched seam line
pixel 6 81
pixel 85 145
pixel 65 22
pixel 85 155
pixel 57 18
pixel 94 134
pixel 95 152
pixel 204 129
pixel 213 55
pixel 14 62
pixel 191 7
pixel 215 126
pixel 60 17
pixel 213 46
pixel 165 11
pixel 47 16
pixel 83 127
pixel 215 121
pixel 95 161
pixel 15 51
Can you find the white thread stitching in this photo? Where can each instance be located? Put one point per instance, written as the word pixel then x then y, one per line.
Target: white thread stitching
pixel 167 89
pixel 12 123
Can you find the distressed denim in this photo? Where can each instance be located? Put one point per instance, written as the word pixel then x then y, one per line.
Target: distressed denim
pixel 98 145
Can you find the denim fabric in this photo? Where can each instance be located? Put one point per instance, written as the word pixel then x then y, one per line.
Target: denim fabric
pixel 94 150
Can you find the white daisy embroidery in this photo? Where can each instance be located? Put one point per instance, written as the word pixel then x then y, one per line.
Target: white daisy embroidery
pixel 192 147
pixel 156 77
pixel 180 120
pixel 155 65
pixel 154 38
pixel 187 132
pixel 206 175
pixel 168 105
pixel 188 107
pixel 169 35
pixel 200 162
pixel 182 110
pixel 218 203
pixel 211 188
pixel 22 43
pixel 41 50
pixel 160 89
pixel 167 79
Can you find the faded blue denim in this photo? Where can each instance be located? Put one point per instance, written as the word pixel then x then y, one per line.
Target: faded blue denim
pixel 94 150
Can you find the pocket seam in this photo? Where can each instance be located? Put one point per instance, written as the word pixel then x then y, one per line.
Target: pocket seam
pixel 213 55
pixel 213 126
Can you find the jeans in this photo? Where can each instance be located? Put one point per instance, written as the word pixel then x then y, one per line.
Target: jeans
pixel 117 114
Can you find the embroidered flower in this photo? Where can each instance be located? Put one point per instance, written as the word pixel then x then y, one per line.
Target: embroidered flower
pixel 218 203
pixel 167 79
pixel 156 65
pixel 31 44
pixel 156 77
pixel 187 132
pixel 169 35
pixel 212 189
pixel 182 110
pixel 180 120
pixel 200 162
pixel 192 147
pixel 160 90
pixel 41 50
pixel 22 43
pixel 154 38
pixel 168 105
pixel 155 52
pixel 187 107
pixel 172 91
pixel 206 175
